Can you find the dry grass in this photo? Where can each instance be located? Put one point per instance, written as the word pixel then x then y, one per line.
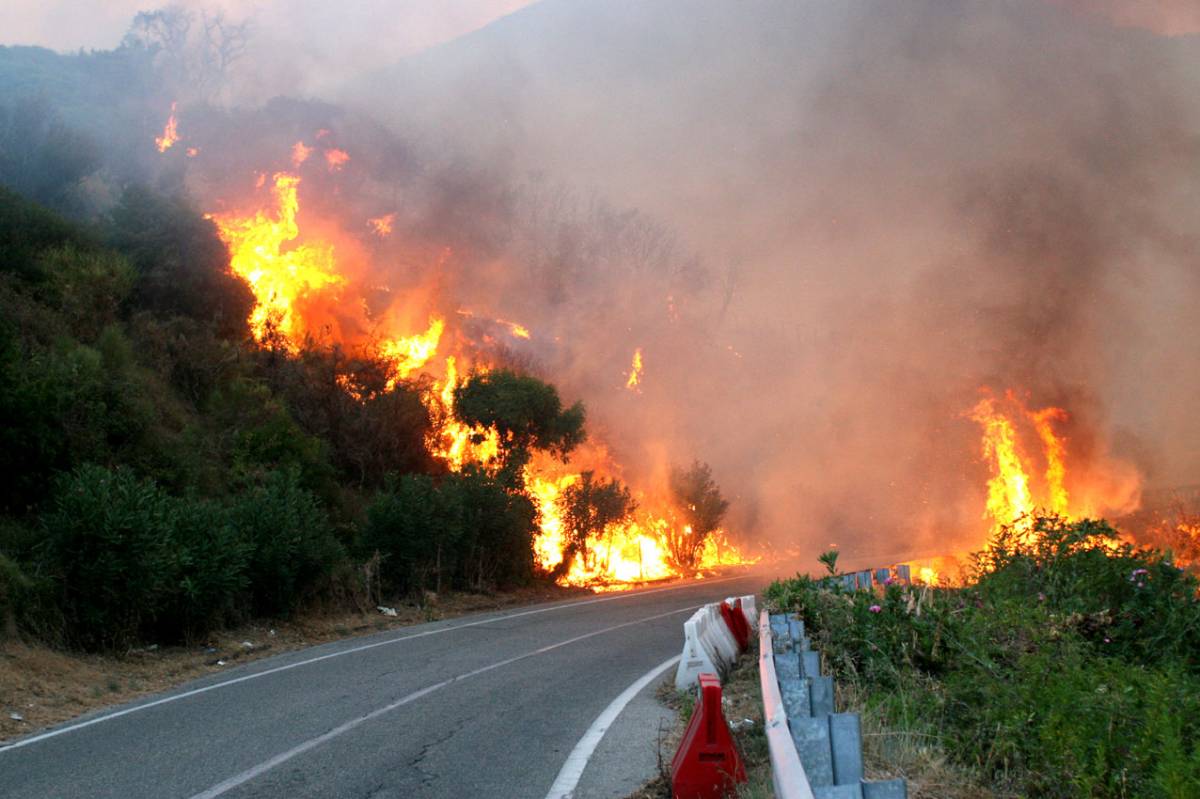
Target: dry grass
pixel 44 686
pixel 919 758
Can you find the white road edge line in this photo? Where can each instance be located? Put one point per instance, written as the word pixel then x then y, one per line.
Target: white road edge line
pixel 256 771
pixel 5 747
pixel 572 770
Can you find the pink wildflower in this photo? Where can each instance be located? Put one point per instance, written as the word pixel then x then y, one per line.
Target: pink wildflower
pixel 875 609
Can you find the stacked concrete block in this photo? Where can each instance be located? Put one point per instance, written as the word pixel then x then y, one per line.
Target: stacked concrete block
pixel 829 744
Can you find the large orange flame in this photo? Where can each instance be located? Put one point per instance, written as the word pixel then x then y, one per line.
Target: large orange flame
pixel 1015 496
pixel 1009 498
pixel 410 353
pixel 296 279
pixel 279 276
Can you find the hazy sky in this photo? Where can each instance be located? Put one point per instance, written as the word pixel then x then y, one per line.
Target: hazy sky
pixel 404 25
pixel 400 26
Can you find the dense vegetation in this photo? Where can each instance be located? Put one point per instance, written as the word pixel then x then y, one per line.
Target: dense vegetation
pixel 1069 666
pixel 166 474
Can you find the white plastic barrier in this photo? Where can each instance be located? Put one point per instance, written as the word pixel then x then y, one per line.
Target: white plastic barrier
pixel 709 646
pixel 722 636
pixel 700 654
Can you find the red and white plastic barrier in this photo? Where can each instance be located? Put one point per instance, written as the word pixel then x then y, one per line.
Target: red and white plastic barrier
pixel 710 642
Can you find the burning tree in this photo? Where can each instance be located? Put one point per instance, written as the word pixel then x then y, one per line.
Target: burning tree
pixel 702 508
pixel 589 508
pixel 526 412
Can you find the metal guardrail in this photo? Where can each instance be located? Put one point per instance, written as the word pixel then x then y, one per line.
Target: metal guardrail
pixel 815 752
pixel 787 773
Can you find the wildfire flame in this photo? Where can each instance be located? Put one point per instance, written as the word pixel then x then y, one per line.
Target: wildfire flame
pixel 410 353
pixel 297 278
pixel 382 225
pixel 170 133
pixel 452 441
pixel 1015 494
pixel 625 553
pixel 336 159
pixel 278 276
pixel 635 372
pixel 300 153
pixel 517 330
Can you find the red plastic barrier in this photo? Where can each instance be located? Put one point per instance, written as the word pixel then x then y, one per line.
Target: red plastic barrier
pixel 707 765
pixel 735 620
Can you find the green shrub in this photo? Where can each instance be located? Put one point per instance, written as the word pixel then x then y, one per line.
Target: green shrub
pixel 499 526
pixel 465 530
pixel 1068 668
pixel 416 526
pixel 210 570
pixel 181 264
pixel 108 541
pixel 291 544
pixel 13 585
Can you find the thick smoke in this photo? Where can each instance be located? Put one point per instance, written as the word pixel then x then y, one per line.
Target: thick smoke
pixel 849 217
pixel 894 204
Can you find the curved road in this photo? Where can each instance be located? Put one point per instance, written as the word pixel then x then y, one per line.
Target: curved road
pixel 486 705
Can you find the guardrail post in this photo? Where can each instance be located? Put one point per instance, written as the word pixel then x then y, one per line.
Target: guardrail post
pixel 822 757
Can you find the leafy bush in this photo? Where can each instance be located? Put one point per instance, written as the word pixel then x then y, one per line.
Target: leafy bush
pixel 13 584
pixel 499 529
pixel 182 266
pixel 526 411
pixel 1068 668
pixel 378 432
pixel 291 546
pixel 109 543
pixel 27 230
pixel 210 572
pixel 131 562
pixel 588 507
pixel 465 530
pixel 416 526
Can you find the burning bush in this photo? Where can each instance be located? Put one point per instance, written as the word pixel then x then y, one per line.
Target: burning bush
pixel 590 508
pixel 702 508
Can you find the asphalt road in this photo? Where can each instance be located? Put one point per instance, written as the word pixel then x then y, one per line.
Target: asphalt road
pixel 486 705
